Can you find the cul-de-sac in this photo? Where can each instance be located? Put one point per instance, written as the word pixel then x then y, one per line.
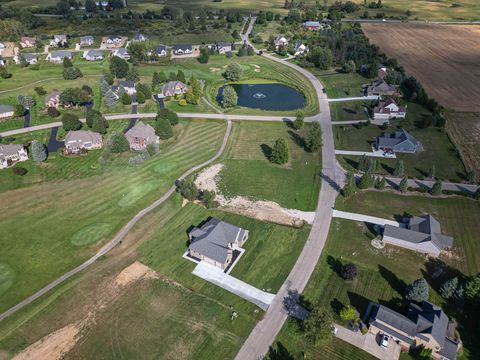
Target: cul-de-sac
pixel 219 179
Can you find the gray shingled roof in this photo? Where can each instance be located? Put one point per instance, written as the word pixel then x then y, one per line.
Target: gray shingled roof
pixel 9 150
pixel 61 54
pixel 399 140
pixel 161 48
pixel 212 239
pixel 83 136
pixel 126 83
pixel 182 48
pixel 94 53
pixel 170 86
pixel 430 319
pixel 30 57
pixel 86 39
pixel 6 109
pixel 142 131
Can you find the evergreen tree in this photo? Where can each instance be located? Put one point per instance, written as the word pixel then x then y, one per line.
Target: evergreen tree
pixel 67 62
pixel 399 168
pixel 71 122
pixel 118 67
pixel 100 124
pixel 366 181
pixel 436 188
pixel 403 186
pixel 156 80
pixel 170 115
pixel 117 143
pixel 132 74
pixel 318 325
pixel 417 291
pixel 163 77
pixel 449 288
pixel 91 116
pixel 163 128
pixel 363 163
pixel 140 97
pixel 280 152
pixel 380 183
pixel 39 151
pixel 350 185
pixel 299 122
pixel 181 76
pixel 126 99
pixel 204 56
pixel 229 97
pixel 314 139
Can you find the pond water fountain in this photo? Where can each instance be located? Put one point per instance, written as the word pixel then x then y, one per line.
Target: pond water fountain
pixel 259 96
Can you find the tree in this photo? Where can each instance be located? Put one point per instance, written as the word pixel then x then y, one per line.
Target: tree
pixel 298 122
pixel 126 99
pixel 250 51
pixel 363 163
pixel 233 72
pixel 19 110
pixel 172 76
pixel 170 115
pixel 91 116
pixel 472 289
pixel 204 56
pixel 156 80
pixel 40 90
pixel 417 291
pixel 208 199
pixel 117 143
pixel 71 122
pixel 403 186
pixel 187 189
pixel 132 74
pixel 318 325
pixel 399 168
pixel 349 66
pixel 349 271
pixel 449 288
pixel 67 62
pixel 163 128
pixel 110 98
pixel 366 181
pixel 74 97
pixel 321 57
pixel 431 172
pixel 380 183
pixel 229 97
pixel 72 73
pixel 140 97
pixel 436 188
pixel 145 89
pixel 137 52
pixel 348 313
pixel 350 185
pixel 118 67
pixel 181 76
pixel 53 112
pixel 314 138
pixel 280 152
pixel 90 6
pixel 163 77
pixel 39 151
pixel 100 124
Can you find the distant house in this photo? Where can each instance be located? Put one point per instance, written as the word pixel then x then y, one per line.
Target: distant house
pixel 87 40
pixel 398 141
pixel 129 86
pixel 11 153
pixel 31 59
pixel 382 71
pixel 425 325
pixel 141 135
pixel 93 55
pixel 381 88
pixel 421 233
pixel 113 39
pixel 59 40
pixel 280 41
pixel 161 50
pixel 139 38
pixel 28 42
pixel 224 47
pixel 58 56
pixel 76 141
pixel 300 48
pixel 215 242
pixel 312 25
pixel 2 45
pixel 6 111
pixel 103 4
pixel 52 99
pixel 182 49
pixel 389 109
pixel 2 61
pixel 121 53
pixel 173 88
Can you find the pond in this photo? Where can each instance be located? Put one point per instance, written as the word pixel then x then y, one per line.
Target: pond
pixel 266 96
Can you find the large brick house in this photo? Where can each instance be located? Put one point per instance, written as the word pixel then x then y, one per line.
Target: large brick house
pixel 140 136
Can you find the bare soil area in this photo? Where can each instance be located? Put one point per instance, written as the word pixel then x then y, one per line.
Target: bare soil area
pixel 444 58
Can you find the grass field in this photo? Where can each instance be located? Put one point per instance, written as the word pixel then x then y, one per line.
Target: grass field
pixel 349 110
pixel 38 256
pixel 248 172
pixel 338 84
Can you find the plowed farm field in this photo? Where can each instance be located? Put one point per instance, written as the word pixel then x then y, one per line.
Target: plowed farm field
pixel 445 58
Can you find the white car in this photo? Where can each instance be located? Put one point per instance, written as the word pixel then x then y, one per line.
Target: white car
pixel 334 330
pixel 385 340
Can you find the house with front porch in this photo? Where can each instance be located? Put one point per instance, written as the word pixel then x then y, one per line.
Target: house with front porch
pixel 121 53
pixel 93 55
pixel 389 109
pixel 12 153
pixel 57 57
pixel 183 49
pixel 280 41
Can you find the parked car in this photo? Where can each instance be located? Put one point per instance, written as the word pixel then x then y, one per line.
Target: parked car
pixel 334 330
pixel 385 340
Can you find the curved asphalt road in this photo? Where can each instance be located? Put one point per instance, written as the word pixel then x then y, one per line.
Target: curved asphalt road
pixel 120 235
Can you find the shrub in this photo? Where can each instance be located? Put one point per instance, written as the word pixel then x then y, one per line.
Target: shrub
pixel 72 73
pixel 163 128
pixel 168 114
pixel 314 140
pixel 208 199
pixel 117 143
pixel 298 122
pixel 348 313
pixel 349 271
pixel 187 189
pixel 53 112
pixel 140 97
pixel 280 152
pixel 40 90
pixel 71 122
pixel 182 102
pixel 126 99
pixel 233 72
pixel 39 151
pixel 20 171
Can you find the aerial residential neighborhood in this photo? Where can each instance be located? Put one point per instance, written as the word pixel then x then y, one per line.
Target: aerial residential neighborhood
pixel 239 180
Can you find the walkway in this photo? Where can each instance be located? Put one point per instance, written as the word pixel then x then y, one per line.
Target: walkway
pixel 349 122
pixel 355 98
pixel 369 343
pixel 216 276
pixel 364 218
pixel 120 235
pixel 366 153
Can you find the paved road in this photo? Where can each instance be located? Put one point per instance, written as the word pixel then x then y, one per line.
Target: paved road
pixel 265 332
pixel 364 218
pixel 120 235
pixel 355 98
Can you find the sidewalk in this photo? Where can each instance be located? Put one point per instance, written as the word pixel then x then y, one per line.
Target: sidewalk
pixel 364 218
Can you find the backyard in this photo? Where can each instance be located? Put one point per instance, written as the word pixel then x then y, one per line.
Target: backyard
pixel 339 84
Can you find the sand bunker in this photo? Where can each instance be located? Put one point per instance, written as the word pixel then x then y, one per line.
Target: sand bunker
pixel 262 210
pixel 135 272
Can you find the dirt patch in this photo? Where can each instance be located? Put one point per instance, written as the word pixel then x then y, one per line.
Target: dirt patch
pixel 135 272
pixel 9 50
pixel 213 69
pixel 443 57
pixel 52 346
pixel 262 210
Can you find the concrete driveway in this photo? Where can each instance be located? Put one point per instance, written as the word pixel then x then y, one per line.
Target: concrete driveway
pixel 364 218
pixel 369 343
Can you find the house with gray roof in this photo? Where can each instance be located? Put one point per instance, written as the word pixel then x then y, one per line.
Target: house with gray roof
pixel 421 233
pixel 424 325
pixel 77 141
pixel 93 55
pixel 139 37
pixel 87 40
pixel 182 49
pixel 140 136
pixel 31 59
pixel 173 88
pixel 113 39
pixel 161 50
pixel 215 242
pixel 224 47
pixel 121 53
pixel 389 109
pixel 59 40
pixel 398 141
pixel 11 153
pixel 381 88
pixel 58 56
pixel 6 111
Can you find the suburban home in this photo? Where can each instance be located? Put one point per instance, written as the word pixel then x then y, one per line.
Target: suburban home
pixel 425 325
pixel 389 109
pixel 11 153
pixel 59 40
pixel 421 233
pixel 182 49
pixel 399 141
pixel 87 40
pixel 2 61
pixel 121 53
pixel 381 88
pixel 140 38
pixel 312 25
pixel 215 242
pixel 93 55
pixel 141 135
pixel 161 50
pixel 300 48
pixel 173 88
pixel 280 41
pixel 58 56
pixel 129 86
pixel 103 4
pixel 28 42
pixel 53 99
pixel 76 141
pixel 6 111
pixel 113 39
pixel 224 47
pixel 382 71
pixel 31 59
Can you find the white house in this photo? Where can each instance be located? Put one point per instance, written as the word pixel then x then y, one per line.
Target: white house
pixel 129 87
pixel 92 55
pixel 11 153
pixel 139 38
pixel 182 49
pixel 87 40
pixel 300 48
pixel 31 59
pixel 121 53
pixel 161 50
pixel 59 40
pixel 6 111
pixel 58 56
pixel 389 109
pixel 114 39
pixel 224 47
pixel 280 41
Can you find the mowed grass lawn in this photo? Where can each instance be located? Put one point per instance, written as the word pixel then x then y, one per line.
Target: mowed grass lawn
pixel 249 173
pixel 38 245
pixel 349 110
pixel 340 85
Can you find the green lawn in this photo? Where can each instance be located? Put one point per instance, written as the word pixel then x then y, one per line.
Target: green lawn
pixel 248 172
pixel 39 245
pixel 349 110
pixel 339 85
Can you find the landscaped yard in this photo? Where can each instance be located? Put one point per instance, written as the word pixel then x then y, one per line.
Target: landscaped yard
pixel 339 84
pixel 349 110
pixel 249 173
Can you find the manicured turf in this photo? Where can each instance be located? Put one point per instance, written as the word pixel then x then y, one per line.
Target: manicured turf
pixel 37 244
pixel 249 173
pixel 91 234
pixel 349 110
pixel 339 85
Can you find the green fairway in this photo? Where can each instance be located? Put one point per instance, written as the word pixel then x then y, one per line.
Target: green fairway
pixel 91 234
pixel 37 245
pixel 249 173
pixel 7 277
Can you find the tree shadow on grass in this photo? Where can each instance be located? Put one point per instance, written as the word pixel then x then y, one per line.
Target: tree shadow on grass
pixel 336 306
pixel 351 162
pixel 436 272
pixel 421 172
pixel 395 283
pixel 267 151
pixel 297 139
pixel 335 265
pixel 359 302
pixel 279 352
pixel 387 168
